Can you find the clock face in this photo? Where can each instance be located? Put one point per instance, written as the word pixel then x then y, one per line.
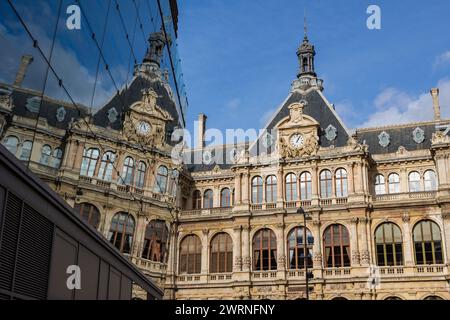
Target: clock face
pixel 297 140
pixel 143 128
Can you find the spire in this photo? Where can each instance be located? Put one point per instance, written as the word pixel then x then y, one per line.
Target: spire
pixel 306 76
pixel 306 54
pixel 305 27
pixel 155 51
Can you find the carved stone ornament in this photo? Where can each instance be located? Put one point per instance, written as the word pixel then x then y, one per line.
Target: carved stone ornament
pixel 309 147
pixel 6 101
pixel 355 257
pixel 439 137
pixel 296 111
pixel 238 263
pixel 418 135
pixel 331 133
pixel 384 139
pixel 282 260
pixel 246 262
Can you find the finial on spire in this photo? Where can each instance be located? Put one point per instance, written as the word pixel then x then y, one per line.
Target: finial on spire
pixel 305 25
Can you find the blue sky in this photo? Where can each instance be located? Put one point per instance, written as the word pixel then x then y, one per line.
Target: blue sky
pixel 238 58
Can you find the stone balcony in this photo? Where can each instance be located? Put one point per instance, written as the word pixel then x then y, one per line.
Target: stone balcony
pixel 393 273
pixel 404 197
pixel 125 189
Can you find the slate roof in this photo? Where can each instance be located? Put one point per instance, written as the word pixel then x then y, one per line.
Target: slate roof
pixel 221 156
pixel 48 109
pixel 318 109
pixel 131 94
pixel 401 135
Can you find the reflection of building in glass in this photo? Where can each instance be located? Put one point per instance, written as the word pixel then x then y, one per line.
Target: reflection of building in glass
pixel 229 229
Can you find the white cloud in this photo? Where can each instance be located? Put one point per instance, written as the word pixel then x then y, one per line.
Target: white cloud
pixel 397 107
pixel 442 59
pixel 233 103
pixel 77 78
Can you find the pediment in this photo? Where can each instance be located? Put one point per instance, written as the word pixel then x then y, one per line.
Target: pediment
pixel 297 118
pixel 147 107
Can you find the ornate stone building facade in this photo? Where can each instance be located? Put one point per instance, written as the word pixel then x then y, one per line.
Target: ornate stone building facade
pixel 224 223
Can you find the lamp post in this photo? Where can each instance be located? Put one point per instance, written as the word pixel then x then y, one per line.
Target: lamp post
pixel 305 249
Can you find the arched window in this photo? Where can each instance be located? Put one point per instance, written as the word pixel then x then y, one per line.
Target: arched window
pixel 190 255
pixel 296 248
pixel 433 298
pixel 89 162
pixel 11 143
pixel 388 241
pixel 257 190
pixel 341 183
pixel 427 243
pixel 208 199
pixel 155 241
pixel 197 200
pixel 89 213
pixel 393 298
pixel 127 172
pixel 430 181
pixel 326 188
pixel 264 250
pixel 414 182
pixel 394 183
pixel 271 189
pixel 106 166
pixel 291 187
pixel 380 186
pixel 25 154
pixel 140 175
pixel 305 186
pixel 161 180
pixel 337 246
pixel 221 257
pixel 225 198
pixel 121 232
pixel 56 158
pixel 46 154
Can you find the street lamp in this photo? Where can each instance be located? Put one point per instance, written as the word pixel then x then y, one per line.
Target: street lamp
pixel 305 248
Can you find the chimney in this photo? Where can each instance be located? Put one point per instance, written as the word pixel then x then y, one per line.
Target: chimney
pixel 24 63
pixel 201 130
pixel 436 107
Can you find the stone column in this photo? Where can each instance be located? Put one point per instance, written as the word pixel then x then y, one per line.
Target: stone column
pixel 408 254
pixel 281 252
pixel 246 255
pixel 237 247
pixel 403 181
pixel 205 256
pixel 315 185
pixel 67 154
pixel 137 239
pixel 78 157
pixel 118 166
pixel 351 186
pixel 317 247
pixel 446 237
pixel 358 178
pixel 364 251
pixel 280 187
pixel 237 188
pixel 245 189
pixel 354 243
